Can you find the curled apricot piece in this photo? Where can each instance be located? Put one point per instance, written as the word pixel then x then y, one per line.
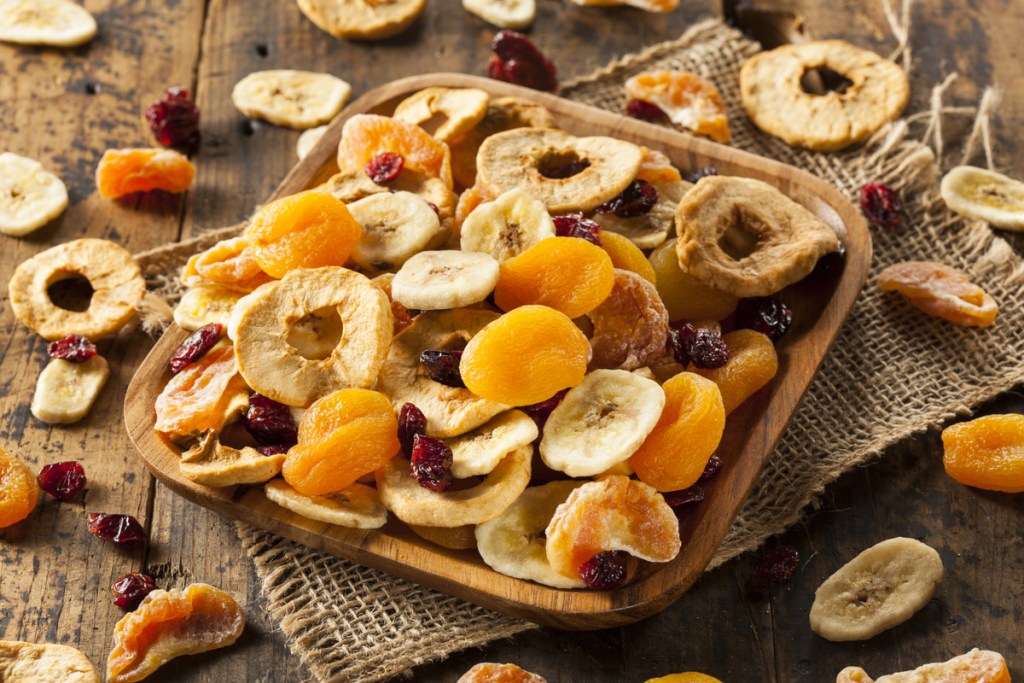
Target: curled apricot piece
pixel 124 171
pixel 525 356
pixel 19 490
pixel 168 624
pixel 567 274
pixel 367 135
pixel 489 672
pixel 977 666
pixel 686 98
pixel 986 453
pixel 342 436
pixel 940 291
pixel 690 428
pixel 230 263
pixel 752 364
pixel 204 395
pixel 685 297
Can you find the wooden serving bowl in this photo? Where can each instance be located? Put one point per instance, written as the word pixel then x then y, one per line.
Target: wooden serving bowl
pixel 820 303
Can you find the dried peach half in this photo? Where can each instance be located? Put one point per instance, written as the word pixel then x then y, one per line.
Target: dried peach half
pixel 124 171
pixel 687 99
pixel 752 364
pixel 489 672
pixel 987 452
pixel 367 135
pixel 19 490
pixel 977 666
pixel 230 263
pixel 940 291
pixel 204 395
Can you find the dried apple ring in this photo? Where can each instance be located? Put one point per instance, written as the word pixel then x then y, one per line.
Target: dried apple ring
pixel 261 321
pixel 630 326
pixel 211 463
pixel 940 291
pixel 112 273
pixel 446 113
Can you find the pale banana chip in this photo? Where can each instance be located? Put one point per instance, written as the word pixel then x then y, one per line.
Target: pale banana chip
pixel 66 391
pixel 507 226
pixel 296 99
pixel 211 463
pixel 45 22
pixel 396 227
pixel 357 507
pixel 513 14
pixel 30 196
pixel 362 19
pixel 984 195
pixel 439 280
pixel 203 305
pixel 479 451
pixel 307 141
pixel 22 662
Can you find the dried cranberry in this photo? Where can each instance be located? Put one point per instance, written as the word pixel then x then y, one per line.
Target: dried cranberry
pixel 695 175
pixel 431 463
pixel 712 468
pixel 116 528
pixel 541 411
pixel 778 564
pixel 575 225
pixel 274 448
pixel 606 570
pixel 517 60
pixel 74 348
pixel 175 120
pixel 645 111
pixel 62 480
pixel 130 589
pixel 559 169
pixel 443 366
pixel 637 199
pixel 881 205
pixel 195 346
pixel 764 314
pixel 681 498
pixel 699 345
pixel 411 421
pixel 385 167
pixel 270 422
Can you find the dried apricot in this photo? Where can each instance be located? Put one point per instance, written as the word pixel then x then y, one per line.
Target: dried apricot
pixel 310 229
pixel 627 256
pixel 630 325
pixel 987 452
pixel 230 263
pixel 655 167
pixel 690 428
pixel 124 171
pixel 686 98
pixel 19 490
pixel 525 356
pixel 168 624
pixel 752 364
pixel 489 672
pixel 685 297
pixel 204 395
pixel 342 436
pixel 567 274
pixel 977 666
pixel 940 291
pixel 367 135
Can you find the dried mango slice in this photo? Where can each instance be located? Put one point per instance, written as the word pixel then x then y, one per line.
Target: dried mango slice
pixel 977 666
pixel 687 99
pixel 940 291
pixel 205 395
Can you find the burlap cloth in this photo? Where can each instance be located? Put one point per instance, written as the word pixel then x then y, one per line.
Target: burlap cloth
pixel 892 372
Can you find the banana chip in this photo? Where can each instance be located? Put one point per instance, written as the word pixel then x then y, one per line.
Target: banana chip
pixel 45 22
pixel 66 391
pixel 513 14
pixel 986 196
pixel 357 507
pixel 296 99
pixel 396 227
pixel 507 226
pixel 479 451
pixel 440 280
pixel 30 196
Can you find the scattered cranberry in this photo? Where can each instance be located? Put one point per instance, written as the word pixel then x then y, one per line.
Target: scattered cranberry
pixel 431 464
pixel 695 175
pixel 443 366
pixel 130 589
pixel 270 422
pixel 62 480
pixel 273 449
pixel 411 421
pixel 541 411
pixel 645 111
pixel 517 60
pixel 175 120
pixel 195 346
pixel 575 225
pixel 637 199
pixel 684 497
pixel 116 528
pixel 778 564
pixel 712 468
pixel 74 348
pixel 881 205
pixel 764 314
pixel 385 167
pixel 699 345
pixel 559 170
pixel 606 570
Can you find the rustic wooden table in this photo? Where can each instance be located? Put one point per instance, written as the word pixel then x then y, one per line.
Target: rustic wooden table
pixel 65 107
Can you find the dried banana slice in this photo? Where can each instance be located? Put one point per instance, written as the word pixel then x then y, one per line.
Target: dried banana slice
pixel 479 451
pixel 649 230
pixel 445 113
pixel 438 280
pixel 648 5
pixel 357 507
pixel 45 22
pixel 211 463
pixel 984 196
pixel 883 586
pixel 513 543
pixel 362 19
pixel 307 141
pixel 504 13
pixel 396 226
pixel 22 662
pixel 30 196
pixel 601 422
pixel 507 226
pixel 66 391
pixel 203 305
pixel 296 99
pixel 415 504
pixel 977 666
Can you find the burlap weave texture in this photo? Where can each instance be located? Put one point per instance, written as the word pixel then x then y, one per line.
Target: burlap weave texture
pixel 892 372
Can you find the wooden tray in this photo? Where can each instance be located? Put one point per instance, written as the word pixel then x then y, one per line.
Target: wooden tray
pixel 820 304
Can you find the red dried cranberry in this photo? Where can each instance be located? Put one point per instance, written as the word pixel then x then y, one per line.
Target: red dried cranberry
pixel 411 421
pixel 541 411
pixel 684 497
pixel 637 199
pixel 116 528
pixel 559 170
pixel 881 205
pixel 695 175
pixel 699 345
pixel 764 314
pixel 385 167
pixel 645 111
pixel 778 564
pixel 431 463
pixel 517 60
pixel 195 346
pixel 443 366
pixel 606 570
pixel 274 448
pixel 74 348
pixel 712 468
pixel 575 225
pixel 130 589
pixel 175 120
pixel 270 422
pixel 62 480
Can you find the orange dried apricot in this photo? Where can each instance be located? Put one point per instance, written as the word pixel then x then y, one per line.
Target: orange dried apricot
pixel 204 395
pixel 525 356
pixel 655 167
pixel 686 677
pixel 489 672
pixel 752 364
pixel 685 297
pixel 342 436
pixel 310 229
pixel 690 428
pixel 686 98
pixel 627 256
pixel 977 666
pixel 986 453
pixel 168 624
pixel 230 263
pixel 19 490
pixel 567 274
pixel 124 171
pixel 471 198
pixel 940 291
pixel 367 135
